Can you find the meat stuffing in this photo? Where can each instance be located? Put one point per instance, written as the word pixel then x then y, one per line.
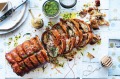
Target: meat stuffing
pixel 69 34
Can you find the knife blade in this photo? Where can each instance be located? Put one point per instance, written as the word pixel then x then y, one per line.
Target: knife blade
pixel 10 11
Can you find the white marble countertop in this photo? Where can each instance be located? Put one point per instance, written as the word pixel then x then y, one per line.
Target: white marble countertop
pixel 81 62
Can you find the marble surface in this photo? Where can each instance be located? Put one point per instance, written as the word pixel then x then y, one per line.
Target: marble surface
pixel 80 64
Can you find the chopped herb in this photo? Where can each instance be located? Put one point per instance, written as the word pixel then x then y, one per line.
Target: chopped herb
pixel 77 13
pixel 61 64
pixel 9 43
pixel 44 67
pixel 93 48
pixel 10 39
pixel 17 37
pixel 99 42
pixel 15 44
pixel 87 5
pixel 16 40
pixel 82 54
pixel 53 60
pixel 69 15
pixel 50 23
pixel 53 51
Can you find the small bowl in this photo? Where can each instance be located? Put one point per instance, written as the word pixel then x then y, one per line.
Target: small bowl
pixel 54 15
pixel 68 3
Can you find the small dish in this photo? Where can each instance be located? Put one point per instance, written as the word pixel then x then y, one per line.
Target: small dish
pixel 51 8
pixel 68 3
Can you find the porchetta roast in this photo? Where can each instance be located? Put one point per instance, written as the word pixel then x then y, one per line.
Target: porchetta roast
pixel 59 40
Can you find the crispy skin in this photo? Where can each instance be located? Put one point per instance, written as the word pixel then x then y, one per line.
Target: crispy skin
pixel 56 36
pixel 87 38
pixel 17 69
pixel 23 67
pixel 62 46
pixel 87 29
pixel 44 53
pixel 59 28
pixel 15 55
pixel 63 27
pixel 72 43
pixel 72 24
pixel 40 57
pixel 28 63
pixel 35 44
pixel 95 39
pixel 90 37
pixel 39 42
pixel 10 58
pixel 84 43
pixel 56 33
pixel 34 60
pixel 23 58
pixel 28 48
pixel 21 52
pixel 79 31
pixel 76 25
pixel 44 38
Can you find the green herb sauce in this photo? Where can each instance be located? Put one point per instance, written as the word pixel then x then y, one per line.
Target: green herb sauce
pixel 51 8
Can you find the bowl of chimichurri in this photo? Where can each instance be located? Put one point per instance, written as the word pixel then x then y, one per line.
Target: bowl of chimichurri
pixel 51 8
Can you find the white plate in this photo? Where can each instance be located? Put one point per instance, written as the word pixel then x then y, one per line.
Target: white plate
pixel 13 19
pixel 20 20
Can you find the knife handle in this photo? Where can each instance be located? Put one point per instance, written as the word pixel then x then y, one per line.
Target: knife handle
pixel 8 13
